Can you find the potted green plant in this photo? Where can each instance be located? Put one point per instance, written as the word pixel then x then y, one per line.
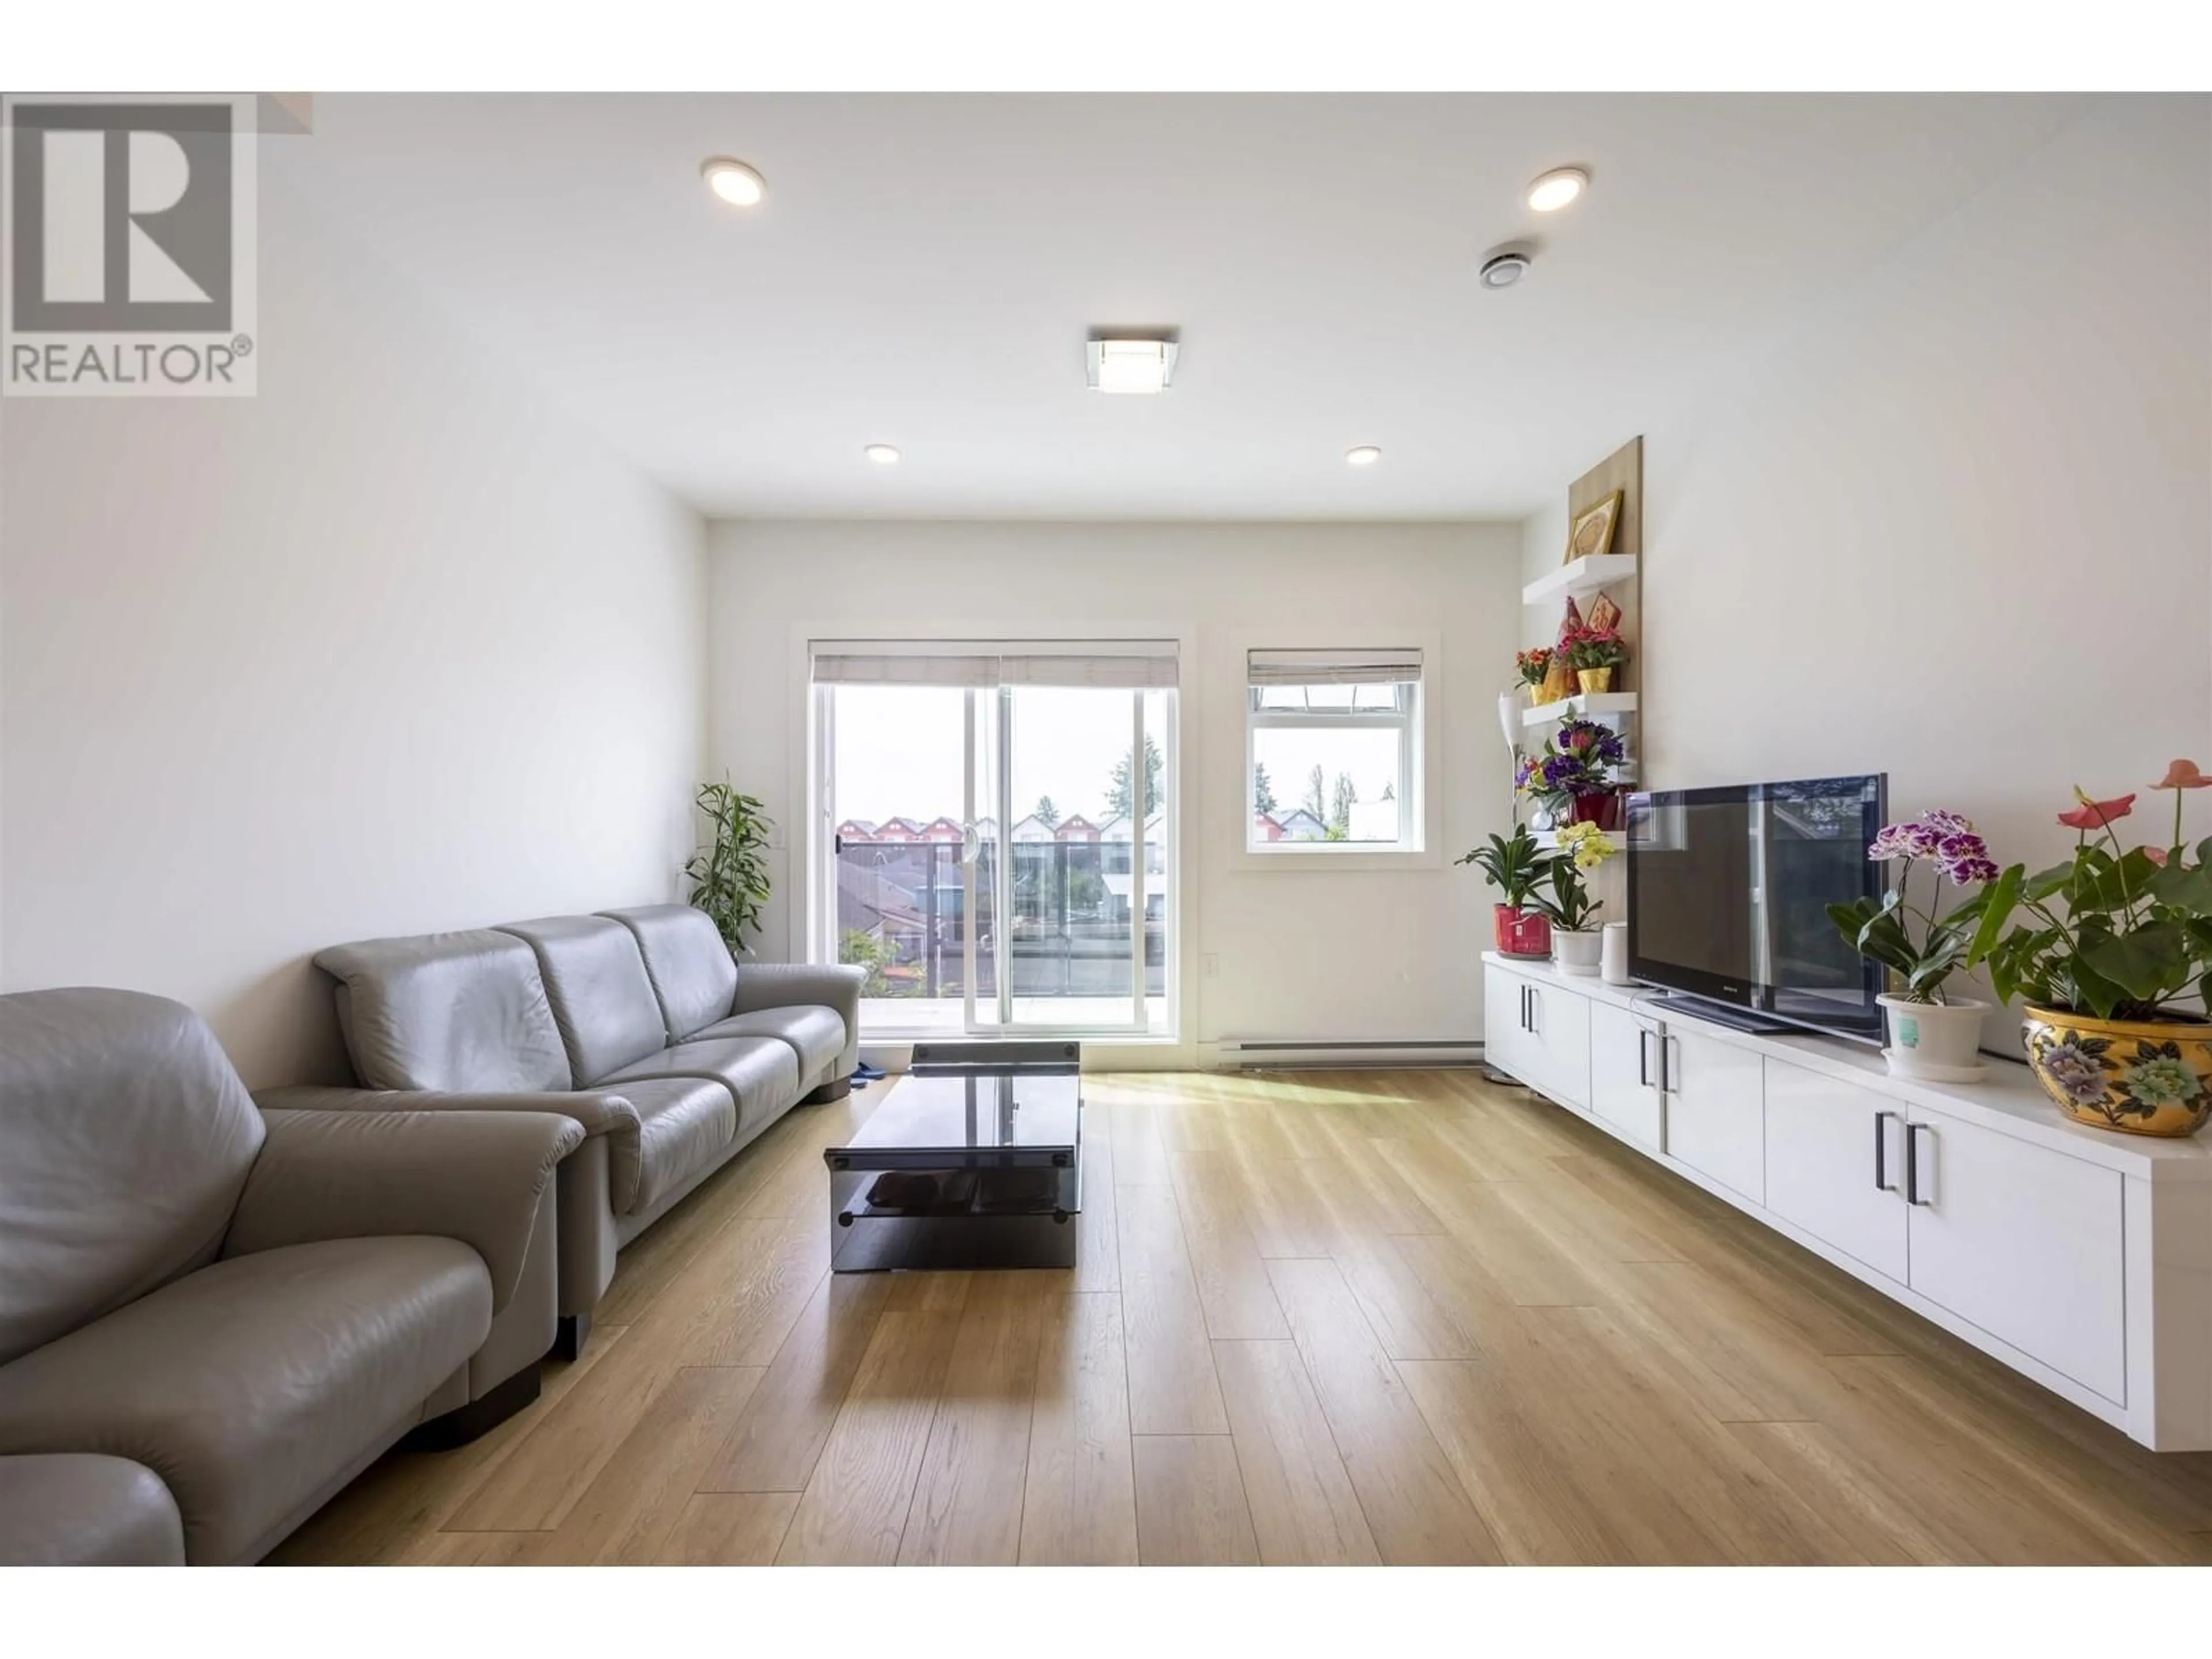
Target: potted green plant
pixel 1517 867
pixel 729 875
pixel 1576 939
pixel 2114 948
pixel 1594 653
pixel 1933 1035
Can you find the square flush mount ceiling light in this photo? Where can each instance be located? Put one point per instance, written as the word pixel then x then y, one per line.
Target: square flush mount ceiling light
pixel 1131 365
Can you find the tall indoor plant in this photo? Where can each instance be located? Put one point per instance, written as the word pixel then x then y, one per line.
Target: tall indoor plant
pixel 2111 953
pixel 1933 1035
pixel 729 875
pixel 1572 907
pixel 1517 867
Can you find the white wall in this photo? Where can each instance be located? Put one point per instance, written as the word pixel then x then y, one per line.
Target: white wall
pixel 389 648
pixel 1959 526
pixel 1304 953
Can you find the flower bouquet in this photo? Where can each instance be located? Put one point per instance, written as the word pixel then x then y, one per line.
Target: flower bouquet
pixel 2110 951
pixel 1932 1036
pixel 1574 777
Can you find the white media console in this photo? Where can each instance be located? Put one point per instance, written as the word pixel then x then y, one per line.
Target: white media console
pixel 2079 1258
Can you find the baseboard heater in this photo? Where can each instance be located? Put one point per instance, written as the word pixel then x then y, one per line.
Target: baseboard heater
pixel 1243 1054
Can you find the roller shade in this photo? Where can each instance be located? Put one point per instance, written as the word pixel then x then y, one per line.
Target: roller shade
pixel 1123 664
pixel 1383 666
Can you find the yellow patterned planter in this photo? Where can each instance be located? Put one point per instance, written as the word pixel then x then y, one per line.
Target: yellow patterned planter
pixel 2139 1077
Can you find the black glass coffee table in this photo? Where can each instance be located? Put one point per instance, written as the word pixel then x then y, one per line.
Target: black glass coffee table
pixel 975 1160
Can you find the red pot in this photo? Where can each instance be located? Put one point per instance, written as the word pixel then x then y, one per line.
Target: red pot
pixel 1603 811
pixel 1522 932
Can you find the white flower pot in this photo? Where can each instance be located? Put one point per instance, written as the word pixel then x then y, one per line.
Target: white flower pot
pixel 1936 1043
pixel 1578 953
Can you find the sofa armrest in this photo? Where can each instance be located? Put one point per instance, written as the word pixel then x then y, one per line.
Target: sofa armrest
pixel 600 1112
pixel 83 1510
pixel 472 1176
pixel 792 984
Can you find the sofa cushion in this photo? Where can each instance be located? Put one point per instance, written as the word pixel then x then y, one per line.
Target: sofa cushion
pixel 601 1000
pixel 761 1072
pixel 85 1511
pixel 692 973
pixel 684 1125
pixel 252 1386
pixel 124 1141
pixel 816 1035
pixel 461 1011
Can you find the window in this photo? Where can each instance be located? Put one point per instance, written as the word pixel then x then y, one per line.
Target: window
pixel 1332 752
pixel 978 812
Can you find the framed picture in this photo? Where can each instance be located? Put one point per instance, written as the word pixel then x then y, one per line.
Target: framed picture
pixel 1591 531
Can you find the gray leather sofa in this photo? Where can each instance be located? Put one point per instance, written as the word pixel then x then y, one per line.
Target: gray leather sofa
pixel 212 1317
pixel 635 1024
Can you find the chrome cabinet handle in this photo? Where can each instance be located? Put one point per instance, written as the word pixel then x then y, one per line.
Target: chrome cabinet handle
pixel 1668 1063
pixel 1882 1121
pixel 1536 1007
pixel 1912 1164
pixel 1643 1058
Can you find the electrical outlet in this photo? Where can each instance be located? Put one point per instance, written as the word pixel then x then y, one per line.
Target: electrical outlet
pixel 1209 966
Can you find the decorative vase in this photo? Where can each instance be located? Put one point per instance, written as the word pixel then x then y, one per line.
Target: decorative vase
pixel 1935 1041
pixel 1522 932
pixel 2139 1077
pixel 1595 680
pixel 1603 811
pixel 1576 951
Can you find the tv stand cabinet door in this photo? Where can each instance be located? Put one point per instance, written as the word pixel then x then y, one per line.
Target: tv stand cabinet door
pixel 1505 1039
pixel 1623 1061
pixel 1559 1048
pixel 2026 1242
pixel 1828 1172
pixel 1716 1110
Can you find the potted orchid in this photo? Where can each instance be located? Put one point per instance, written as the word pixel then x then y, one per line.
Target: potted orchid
pixel 2113 957
pixel 1576 939
pixel 1573 779
pixel 1933 1035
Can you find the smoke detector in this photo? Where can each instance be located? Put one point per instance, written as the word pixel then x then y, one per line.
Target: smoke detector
pixel 1505 267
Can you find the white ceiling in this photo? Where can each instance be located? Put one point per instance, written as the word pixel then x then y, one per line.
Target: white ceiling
pixel 925 270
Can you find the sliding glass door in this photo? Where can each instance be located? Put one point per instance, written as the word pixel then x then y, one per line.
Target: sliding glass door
pixel 995 834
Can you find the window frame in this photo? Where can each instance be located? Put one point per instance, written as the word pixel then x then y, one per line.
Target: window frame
pixel 1419 760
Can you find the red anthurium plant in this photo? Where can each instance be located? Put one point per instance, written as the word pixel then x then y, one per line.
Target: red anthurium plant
pixel 2114 933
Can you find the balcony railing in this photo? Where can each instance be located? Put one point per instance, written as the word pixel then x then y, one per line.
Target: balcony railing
pixel 902 914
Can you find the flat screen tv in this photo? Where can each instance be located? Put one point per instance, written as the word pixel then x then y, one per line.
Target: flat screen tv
pixel 1728 896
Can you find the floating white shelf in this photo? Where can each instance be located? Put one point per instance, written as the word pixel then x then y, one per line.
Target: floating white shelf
pixel 1582 576
pixel 1580 707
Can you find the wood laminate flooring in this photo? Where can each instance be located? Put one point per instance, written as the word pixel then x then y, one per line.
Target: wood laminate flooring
pixel 1320 1317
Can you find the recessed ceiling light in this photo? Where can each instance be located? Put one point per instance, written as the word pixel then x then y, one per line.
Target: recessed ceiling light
pixel 882 454
pixel 1555 189
pixel 732 181
pixel 1131 365
pixel 1361 455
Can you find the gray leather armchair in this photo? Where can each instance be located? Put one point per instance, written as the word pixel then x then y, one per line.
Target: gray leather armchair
pixel 636 1024
pixel 212 1318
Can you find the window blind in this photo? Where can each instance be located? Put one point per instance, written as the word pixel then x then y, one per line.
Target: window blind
pixel 1383 666
pixel 1125 664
